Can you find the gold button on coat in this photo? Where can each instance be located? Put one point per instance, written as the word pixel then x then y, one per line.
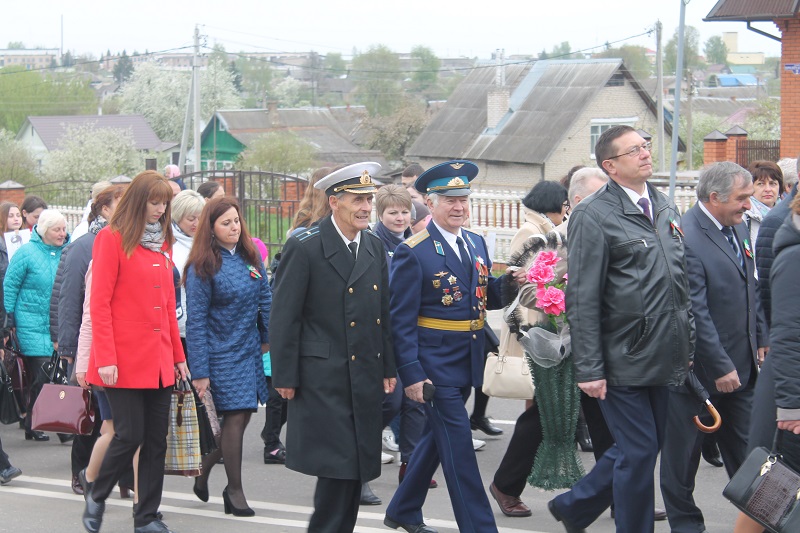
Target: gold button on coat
pixel 352 324
pixel 353 358
pixel 379 321
pixel 350 290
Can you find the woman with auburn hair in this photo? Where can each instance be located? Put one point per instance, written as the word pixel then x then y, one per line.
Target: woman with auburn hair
pixel 136 350
pixel 767 188
pixel 228 303
pixel 314 204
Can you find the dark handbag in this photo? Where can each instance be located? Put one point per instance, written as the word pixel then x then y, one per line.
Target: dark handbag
pixel 9 408
pixel 767 490
pixel 15 365
pixel 62 408
pixel 207 442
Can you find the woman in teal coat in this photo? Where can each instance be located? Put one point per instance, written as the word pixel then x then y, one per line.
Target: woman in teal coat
pixel 26 296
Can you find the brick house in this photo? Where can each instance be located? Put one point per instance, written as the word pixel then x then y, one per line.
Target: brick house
pixel 785 14
pixel 528 122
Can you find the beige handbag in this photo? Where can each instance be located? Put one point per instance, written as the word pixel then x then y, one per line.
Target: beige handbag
pixel 507 377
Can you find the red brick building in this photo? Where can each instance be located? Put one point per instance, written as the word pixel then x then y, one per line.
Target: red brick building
pixel 785 14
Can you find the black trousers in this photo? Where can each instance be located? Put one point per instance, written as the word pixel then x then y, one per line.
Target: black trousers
pixel 518 460
pixel 274 418
pixel 141 417
pixel 37 377
pixel 335 505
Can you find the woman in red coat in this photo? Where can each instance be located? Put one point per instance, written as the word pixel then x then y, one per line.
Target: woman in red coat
pixel 136 349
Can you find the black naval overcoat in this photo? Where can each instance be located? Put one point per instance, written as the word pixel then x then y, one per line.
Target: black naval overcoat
pixel 331 340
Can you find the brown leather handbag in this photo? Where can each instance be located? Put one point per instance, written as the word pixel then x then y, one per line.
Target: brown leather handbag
pixel 62 408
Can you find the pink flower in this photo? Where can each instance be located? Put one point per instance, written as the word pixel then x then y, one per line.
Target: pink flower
pixel 540 273
pixel 549 258
pixel 552 301
pixel 565 278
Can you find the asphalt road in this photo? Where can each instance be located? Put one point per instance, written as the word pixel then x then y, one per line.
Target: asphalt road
pixel 41 499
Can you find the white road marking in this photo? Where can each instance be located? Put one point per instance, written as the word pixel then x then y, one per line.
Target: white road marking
pixel 301 523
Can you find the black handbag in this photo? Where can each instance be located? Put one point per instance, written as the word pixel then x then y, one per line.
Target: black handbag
pixel 9 408
pixel 767 490
pixel 207 442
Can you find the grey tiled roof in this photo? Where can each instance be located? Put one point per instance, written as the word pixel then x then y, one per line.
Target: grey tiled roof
pixel 752 10
pixel 52 128
pixel 546 98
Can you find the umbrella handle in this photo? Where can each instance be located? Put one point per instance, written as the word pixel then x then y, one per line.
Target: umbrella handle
pixel 717 420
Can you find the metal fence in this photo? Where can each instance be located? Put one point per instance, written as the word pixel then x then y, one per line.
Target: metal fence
pixel 268 200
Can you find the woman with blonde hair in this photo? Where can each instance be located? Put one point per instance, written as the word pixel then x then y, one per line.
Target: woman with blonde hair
pixel 136 350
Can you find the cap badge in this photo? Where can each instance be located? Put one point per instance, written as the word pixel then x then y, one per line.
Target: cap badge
pixel 454 182
pixel 365 178
pixel 456 165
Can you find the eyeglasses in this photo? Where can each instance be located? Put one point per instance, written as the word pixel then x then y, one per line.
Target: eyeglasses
pixel 633 152
pixel 565 205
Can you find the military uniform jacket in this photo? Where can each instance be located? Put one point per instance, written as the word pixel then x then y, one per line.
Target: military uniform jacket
pixel 331 340
pixel 429 280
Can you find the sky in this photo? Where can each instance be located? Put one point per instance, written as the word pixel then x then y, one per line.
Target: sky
pixel 471 28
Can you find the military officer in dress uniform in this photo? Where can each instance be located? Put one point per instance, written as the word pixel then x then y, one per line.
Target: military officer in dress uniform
pixel 440 290
pixel 332 354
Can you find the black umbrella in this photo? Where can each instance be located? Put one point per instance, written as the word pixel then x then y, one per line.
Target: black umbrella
pixel 697 390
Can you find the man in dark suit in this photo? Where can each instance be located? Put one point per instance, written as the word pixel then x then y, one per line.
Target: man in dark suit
pixel 441 287
pixel 731 337
pixel 332 354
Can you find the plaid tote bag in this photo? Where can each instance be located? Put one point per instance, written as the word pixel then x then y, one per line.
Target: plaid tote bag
pixel 183 439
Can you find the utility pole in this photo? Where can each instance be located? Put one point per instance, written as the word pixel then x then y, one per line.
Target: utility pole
pixel 689 150
pixel 187 119
pixel 196 99
pixel 673 167
pixel 662 152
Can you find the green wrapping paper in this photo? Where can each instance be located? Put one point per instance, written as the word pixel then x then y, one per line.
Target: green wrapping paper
pixel 557 465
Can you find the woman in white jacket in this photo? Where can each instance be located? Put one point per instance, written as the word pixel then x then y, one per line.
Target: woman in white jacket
pixel 186 208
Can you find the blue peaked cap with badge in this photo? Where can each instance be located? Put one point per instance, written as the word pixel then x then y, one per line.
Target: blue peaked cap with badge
pixel 450 178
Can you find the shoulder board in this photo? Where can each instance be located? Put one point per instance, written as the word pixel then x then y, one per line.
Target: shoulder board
pixel 310 232
pixel 465 230
pixel 370 232
pixel 416 239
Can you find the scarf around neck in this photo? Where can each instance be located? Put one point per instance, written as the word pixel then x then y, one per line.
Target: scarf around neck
pixel 97 224
pixel 153 237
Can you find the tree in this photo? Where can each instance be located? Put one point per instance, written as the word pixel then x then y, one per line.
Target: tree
pixel 691 50
pixel 702 125
pixel 633 56
pixel 87 154
pixel 161 95
pixel 123 68
pixel 426 73
pixel 289 93
pixel 393 135
pixel 16 45
pixel 334 65
pixel 256 78
pixel 16 160
pixel 67 60
pixel 279 151
pixel 377 76
pixel 764 122
pixel 716 51
pixel 24 92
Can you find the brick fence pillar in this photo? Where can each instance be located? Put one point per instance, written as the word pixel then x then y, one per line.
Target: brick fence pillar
pixel 715 147
pixel 11 191
pixel 734 135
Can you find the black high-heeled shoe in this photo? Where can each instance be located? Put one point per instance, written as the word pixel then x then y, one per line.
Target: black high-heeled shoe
pixel 231 509
pixel 125 493
pixel 202 494
pixel 37 436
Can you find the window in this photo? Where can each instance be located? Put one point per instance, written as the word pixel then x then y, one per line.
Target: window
pixel 599 125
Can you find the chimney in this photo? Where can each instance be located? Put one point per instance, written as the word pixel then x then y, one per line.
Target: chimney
pixel 497 99
pixel 272 112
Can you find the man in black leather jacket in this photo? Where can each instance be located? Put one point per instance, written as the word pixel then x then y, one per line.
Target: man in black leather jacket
pixel 631 325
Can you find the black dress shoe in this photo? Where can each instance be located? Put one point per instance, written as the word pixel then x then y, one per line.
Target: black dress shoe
pixel 93 514
pixel 659 515
pixel 710 452
pixel 37 436
pixel 411 528
pixel 77 487
pixel 485 425
pixel 368 497
pixel 568 527
pixel 274 457
pixel 156 526
pixel 65 437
